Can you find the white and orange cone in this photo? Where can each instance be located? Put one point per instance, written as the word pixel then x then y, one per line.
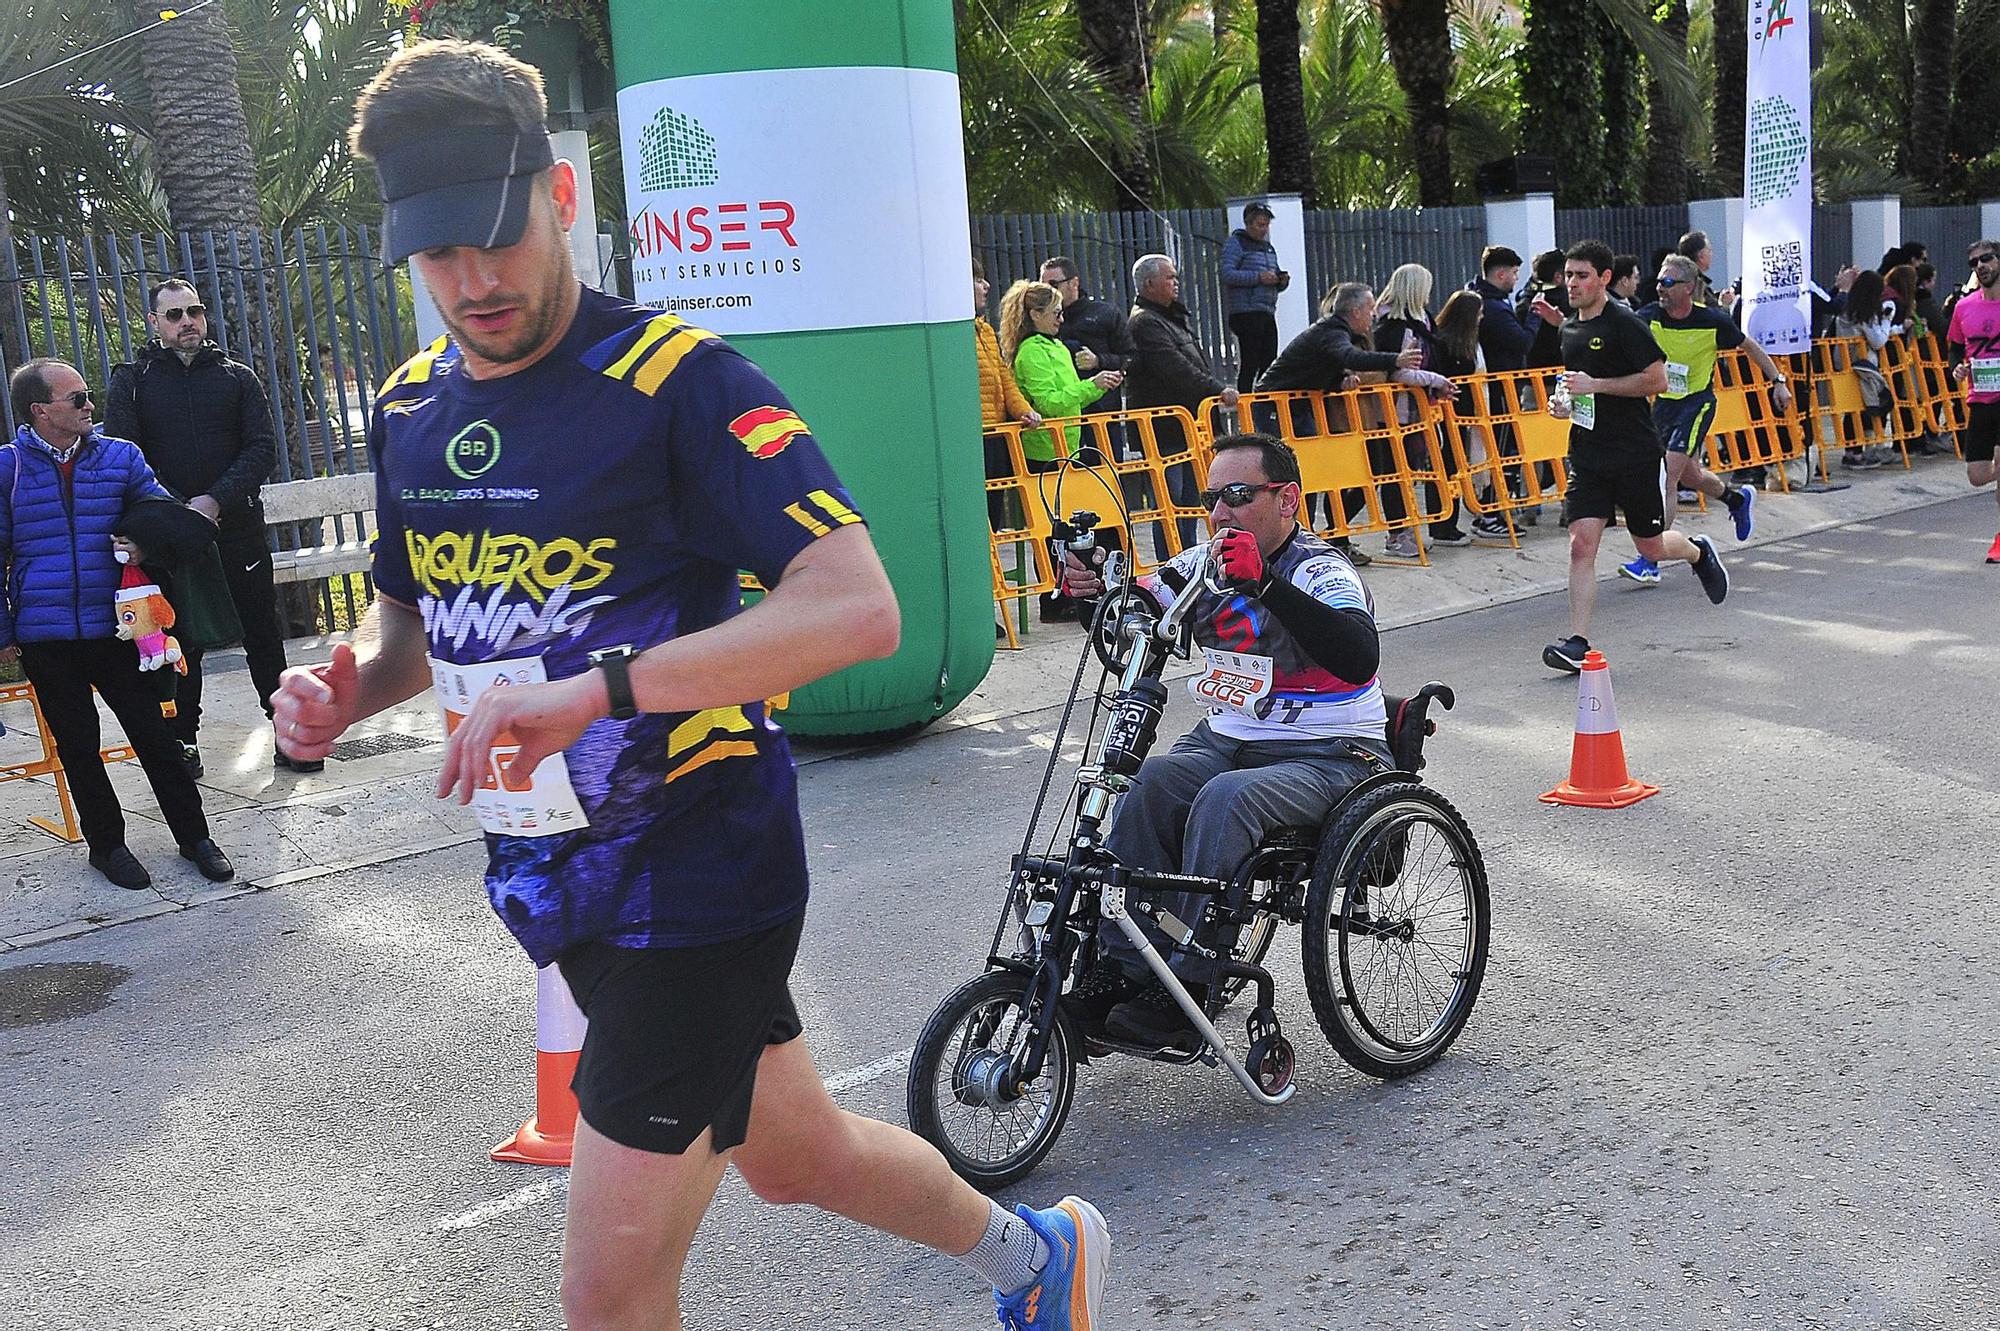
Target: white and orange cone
pixel 1597 775
pixel 546 1138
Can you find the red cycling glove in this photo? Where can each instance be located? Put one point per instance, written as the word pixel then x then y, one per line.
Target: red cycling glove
pixel 1242 563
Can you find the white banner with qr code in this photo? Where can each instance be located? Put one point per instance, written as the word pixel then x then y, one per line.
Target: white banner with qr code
pixel 1777 178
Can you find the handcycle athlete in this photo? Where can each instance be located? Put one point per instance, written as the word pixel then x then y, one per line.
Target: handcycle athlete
pixel 1284 804
pixel 1294 717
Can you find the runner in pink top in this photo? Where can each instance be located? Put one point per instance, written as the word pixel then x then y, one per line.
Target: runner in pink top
pixel 1973 343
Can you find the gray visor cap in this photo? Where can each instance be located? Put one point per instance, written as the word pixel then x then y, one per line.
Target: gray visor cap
pixel 461 187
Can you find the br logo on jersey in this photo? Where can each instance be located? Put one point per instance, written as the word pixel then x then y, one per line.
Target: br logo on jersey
pixel 767 431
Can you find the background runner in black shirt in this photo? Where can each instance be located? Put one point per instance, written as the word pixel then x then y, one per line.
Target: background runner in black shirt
pixel 1616 461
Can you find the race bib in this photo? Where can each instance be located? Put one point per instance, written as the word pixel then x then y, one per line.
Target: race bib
pixel 1986 374
pixel 1233 682
pixel 1677 378
pixel 1583 411
pixel 543 804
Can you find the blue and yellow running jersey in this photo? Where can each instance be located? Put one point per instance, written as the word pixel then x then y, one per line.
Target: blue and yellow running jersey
pixel 608 494
pixel 1691 345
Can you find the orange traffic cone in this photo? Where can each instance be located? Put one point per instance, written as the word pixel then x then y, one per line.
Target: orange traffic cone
pixel 1597 775
pixel 546 1138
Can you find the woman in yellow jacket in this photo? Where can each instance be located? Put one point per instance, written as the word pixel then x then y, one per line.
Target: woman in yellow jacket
pixel 1000 398
pixel 1030 316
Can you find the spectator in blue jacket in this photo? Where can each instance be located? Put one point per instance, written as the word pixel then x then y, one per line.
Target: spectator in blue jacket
pixel 1502 337
pixel 67 486
pixel 1251 281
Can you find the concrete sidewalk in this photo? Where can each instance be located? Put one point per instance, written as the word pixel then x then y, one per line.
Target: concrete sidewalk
pixel 374 801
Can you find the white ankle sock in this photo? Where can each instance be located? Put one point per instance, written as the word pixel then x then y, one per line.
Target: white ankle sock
pixel 1010 1255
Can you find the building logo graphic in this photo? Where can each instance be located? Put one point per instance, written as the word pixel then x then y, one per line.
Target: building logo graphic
pixel 675 151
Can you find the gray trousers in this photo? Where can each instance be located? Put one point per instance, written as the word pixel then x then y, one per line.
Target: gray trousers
pixel 1204 805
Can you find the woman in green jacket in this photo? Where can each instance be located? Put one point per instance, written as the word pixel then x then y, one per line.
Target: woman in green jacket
pixel 1030 316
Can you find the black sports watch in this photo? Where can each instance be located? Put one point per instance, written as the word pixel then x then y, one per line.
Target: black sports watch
pixel 616 663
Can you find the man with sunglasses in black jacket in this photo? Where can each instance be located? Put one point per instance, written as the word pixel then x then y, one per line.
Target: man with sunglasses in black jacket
pixel 1288 654
pixel 204 423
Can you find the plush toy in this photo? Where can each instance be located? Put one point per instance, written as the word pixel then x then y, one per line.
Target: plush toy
pixel 144 618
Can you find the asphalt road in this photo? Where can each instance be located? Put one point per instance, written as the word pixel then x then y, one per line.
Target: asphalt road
pixel 1734 1064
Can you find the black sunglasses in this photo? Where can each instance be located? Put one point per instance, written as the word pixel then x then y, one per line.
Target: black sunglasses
pixel 78 399
pixel 173 316
pixel 1978 259
pixel 1239 494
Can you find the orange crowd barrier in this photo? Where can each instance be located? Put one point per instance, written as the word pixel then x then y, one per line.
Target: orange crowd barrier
pixel 1749 430
pixel 1370 459
pixel 50 765
pixel 1508 452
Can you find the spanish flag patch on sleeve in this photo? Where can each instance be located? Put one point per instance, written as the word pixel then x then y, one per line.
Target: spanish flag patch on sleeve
pixel 767 431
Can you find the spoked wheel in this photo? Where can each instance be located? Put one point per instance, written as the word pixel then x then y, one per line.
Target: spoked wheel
pixel 1396 929
pixel 960 1099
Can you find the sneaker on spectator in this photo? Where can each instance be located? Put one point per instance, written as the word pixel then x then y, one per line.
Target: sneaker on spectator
pixel 1642 571
pixel 1856 460
pixel 1714 577
pixel 1491 527
pixel 1687 498
pixel 1451 536
pixel 1357 557
pixel 1401 545
pixel 1745 519
pixel 1567 655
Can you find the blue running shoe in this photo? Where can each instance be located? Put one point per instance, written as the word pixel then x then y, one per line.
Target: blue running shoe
pixel 1745 522
pixel 1065 1296
pixel 1642 571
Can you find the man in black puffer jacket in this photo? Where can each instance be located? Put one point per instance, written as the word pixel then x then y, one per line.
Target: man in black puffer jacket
pixel 204 424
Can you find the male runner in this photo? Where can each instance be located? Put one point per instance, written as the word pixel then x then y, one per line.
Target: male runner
pixel 1692 336
pixel 1616 462
pixel 1973 345
pixel 567 486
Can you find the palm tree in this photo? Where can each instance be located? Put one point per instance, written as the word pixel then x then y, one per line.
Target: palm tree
pixel 1290 146
pixel 1666 143
pixel 1732 40
pixel 201 139
pixel 1115 41
pixel 1419 39
pixel 1933 31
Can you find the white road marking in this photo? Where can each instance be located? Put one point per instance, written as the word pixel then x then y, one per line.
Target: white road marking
pixel 557 1184
pixel 861 1076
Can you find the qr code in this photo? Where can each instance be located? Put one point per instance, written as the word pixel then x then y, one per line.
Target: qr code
pixel 1785 265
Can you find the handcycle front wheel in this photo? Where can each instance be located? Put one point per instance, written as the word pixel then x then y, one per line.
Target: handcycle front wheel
pixel 992 1134
pixel 1396 930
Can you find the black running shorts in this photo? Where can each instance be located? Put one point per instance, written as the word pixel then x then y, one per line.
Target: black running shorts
pixel 1637 486
pixel 1982 431
pixel 676 1033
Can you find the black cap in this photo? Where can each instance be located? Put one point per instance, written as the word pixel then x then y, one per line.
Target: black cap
pixel 459 187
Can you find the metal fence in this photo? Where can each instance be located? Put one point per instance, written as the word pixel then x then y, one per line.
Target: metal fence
pixel 1833 242
pixel 1641 231
pixel 1949 231
pixel 1368 245
pixel 310 311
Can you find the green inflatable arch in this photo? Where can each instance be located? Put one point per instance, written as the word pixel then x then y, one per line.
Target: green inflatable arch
pixel 794 180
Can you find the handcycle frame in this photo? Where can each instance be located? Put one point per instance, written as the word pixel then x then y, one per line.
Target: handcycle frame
pixel 1056 935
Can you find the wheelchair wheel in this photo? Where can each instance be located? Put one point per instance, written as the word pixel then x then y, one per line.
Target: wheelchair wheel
pixel 1396 929
pixel 956 1098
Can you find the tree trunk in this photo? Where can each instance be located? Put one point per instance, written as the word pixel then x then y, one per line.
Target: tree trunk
pixel 1666 143
pixel 1732 38
pixel 1115 44
pixel 12 351
pixel 201 140
pixel 1288 147
pixel 1933 36
pixel 1418 35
